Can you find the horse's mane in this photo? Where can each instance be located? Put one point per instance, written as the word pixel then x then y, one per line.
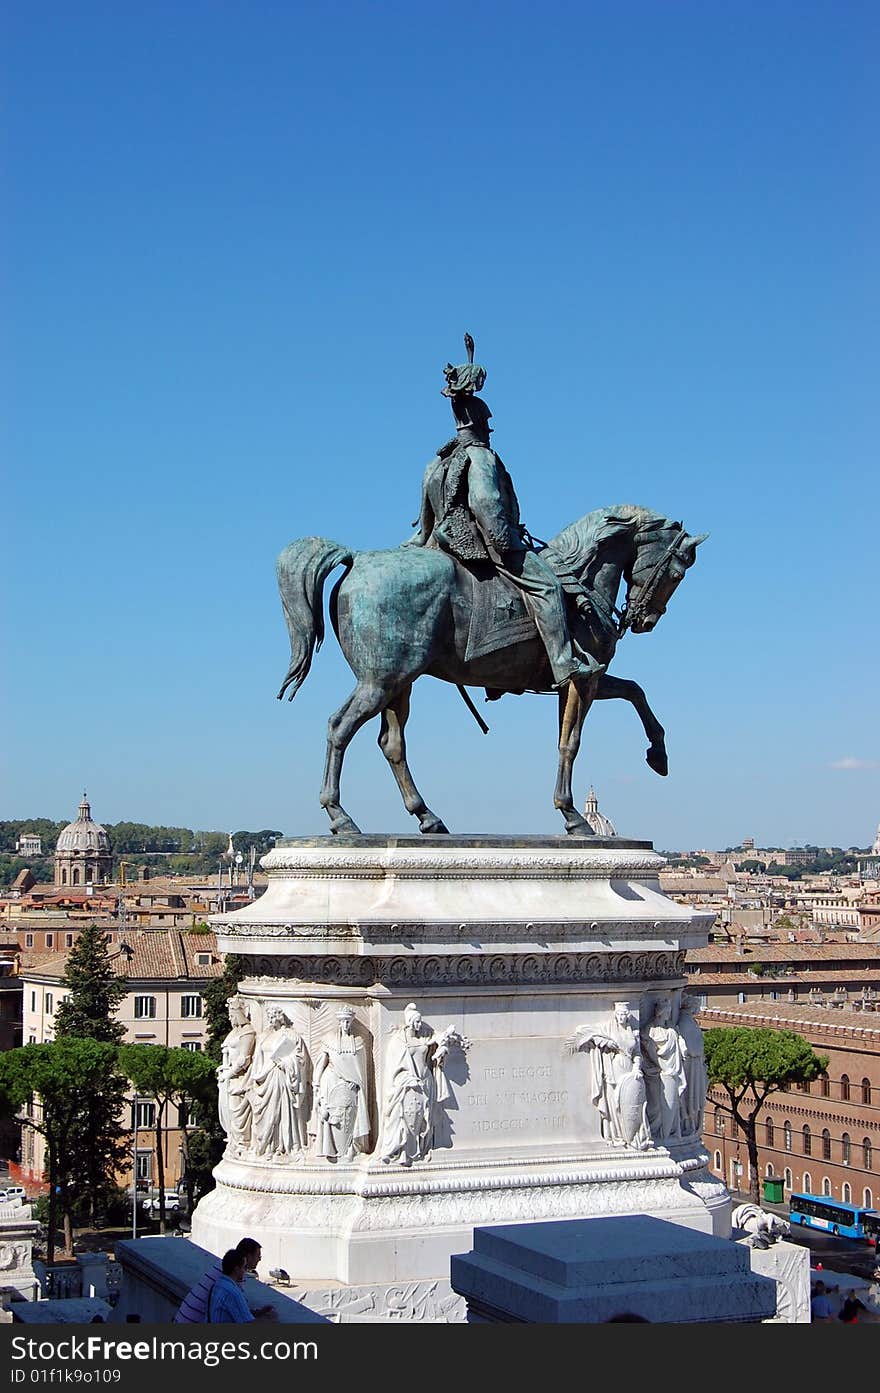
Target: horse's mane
pixel 570 552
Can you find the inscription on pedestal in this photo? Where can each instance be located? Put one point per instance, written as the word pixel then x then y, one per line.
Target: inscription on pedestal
pixel 535 1095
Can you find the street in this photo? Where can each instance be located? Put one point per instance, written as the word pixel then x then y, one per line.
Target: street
pixel 839 1254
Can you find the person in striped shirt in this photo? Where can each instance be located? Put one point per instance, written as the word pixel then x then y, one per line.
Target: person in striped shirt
pixel 193 1309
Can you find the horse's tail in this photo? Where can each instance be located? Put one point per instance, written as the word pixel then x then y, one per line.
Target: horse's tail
pixel 302 568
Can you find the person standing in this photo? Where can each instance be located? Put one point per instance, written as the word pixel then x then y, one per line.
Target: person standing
pixel 226 1304
pixel 193 1309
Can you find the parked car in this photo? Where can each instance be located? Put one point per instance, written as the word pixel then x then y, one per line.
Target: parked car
pixel 16 1192
pixel 175 1204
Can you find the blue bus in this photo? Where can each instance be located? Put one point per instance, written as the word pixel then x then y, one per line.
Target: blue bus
pixel 833 1216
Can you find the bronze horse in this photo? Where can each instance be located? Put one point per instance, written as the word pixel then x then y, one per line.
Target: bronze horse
pixel 407 613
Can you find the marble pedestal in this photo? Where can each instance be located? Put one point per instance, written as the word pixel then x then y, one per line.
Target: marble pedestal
pixel 521 945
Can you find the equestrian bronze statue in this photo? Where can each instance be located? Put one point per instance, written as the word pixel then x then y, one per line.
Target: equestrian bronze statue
pixel 474 600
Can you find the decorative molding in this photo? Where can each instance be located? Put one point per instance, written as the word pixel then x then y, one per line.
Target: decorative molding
pixel 465 970
pixel 421 1209
pixel 448 931
pixel 310 1180
pixel 400 1301
pixel 448 863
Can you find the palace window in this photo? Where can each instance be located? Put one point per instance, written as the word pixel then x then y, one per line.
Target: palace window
pixel 717 1161
pixel 826 1144
pixel 824 1085
pixel 145 1165
pixel 146 1114
pixel 50 940
pixel 847 1193
pixel 867 1154
pixel 33 1001
pixel 826 1185
pixel 68 940
pixel 144 1008
pixel 768 1128
pixel 866 1092
pixel 74 879
pixel 786 1135
pixel 191 1007
pixel 807 1184
pixel 805 1086
pixel 867 1199
pixel 808 1141
pixel 193 1046
pixel 787 1178
pixel 50 1003
pixel 844 1087
pixel 845 1149
pixel 28 940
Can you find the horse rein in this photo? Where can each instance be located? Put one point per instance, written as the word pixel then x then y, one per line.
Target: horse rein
pixel 646 594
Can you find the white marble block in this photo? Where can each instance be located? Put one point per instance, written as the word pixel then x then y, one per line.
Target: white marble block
pixel 597 1270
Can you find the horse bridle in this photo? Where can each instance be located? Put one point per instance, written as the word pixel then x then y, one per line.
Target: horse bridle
pixel 628 615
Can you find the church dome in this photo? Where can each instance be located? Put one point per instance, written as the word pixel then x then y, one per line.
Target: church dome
pixel 84 834
pixel 602 826
pixel 83 855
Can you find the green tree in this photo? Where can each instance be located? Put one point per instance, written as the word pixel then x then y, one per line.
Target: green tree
pixel 94 991
pixel 88 1012
pixel 750 1064
pixel 53 1083
pixel 168 1077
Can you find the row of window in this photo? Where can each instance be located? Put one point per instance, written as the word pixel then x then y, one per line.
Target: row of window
pixel 807 1144
pixel 144 1006
pixel 91 875
pixel 807 1184
pixel 847 1089
pixel 144 1115
pixel 50 940
pixel 825 1139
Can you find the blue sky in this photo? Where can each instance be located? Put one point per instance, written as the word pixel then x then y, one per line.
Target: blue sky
pixel 243 239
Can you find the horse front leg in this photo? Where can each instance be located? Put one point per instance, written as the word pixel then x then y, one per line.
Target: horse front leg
pixel 392 743
pixel 366 701
pixel 614 688
pixel 573 707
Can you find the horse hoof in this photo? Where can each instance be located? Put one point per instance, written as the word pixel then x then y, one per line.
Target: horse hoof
pixel 658 761
pixel 578 826
pixel 433 825
pixel 342 826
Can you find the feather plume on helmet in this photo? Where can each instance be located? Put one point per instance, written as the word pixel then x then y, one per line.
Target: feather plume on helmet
pixel 467 378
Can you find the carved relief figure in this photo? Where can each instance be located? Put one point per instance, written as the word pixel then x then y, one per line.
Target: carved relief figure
pixel 696 1078
pixel 618 1085
pixel 416 1087
pixel 280 1085
pixel 664 1072
pixel 341 1105
pixel 233 1082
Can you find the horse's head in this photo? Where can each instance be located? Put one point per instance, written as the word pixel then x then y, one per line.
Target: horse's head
pixel 662 552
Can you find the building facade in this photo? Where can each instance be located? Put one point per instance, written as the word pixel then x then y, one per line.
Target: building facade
pixel 167 973
pixel 824 1137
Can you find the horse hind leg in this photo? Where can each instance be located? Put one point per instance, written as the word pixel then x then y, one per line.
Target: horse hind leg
pixel 366 701
pixel 392 743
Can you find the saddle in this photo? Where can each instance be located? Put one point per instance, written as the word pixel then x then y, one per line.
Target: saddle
pixel 499 617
